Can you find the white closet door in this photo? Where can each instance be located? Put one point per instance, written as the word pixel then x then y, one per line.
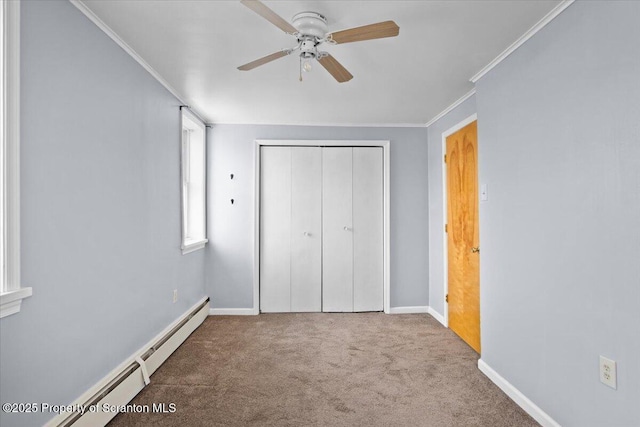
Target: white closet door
pixel 337 250
pixel 306 229
pixel 367 229
pixel 275 229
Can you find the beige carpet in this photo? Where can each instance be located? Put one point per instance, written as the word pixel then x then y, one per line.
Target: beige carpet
pixel 323 369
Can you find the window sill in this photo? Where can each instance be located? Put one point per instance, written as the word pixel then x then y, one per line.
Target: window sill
pixel 193 245
pixel 11 301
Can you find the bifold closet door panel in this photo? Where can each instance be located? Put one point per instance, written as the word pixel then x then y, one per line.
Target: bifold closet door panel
pixel 368 226
pixel 337 250
pixel 275 229
pixel 306 229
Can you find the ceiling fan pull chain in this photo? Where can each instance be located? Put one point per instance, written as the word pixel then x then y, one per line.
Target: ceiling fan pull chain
pixel 301 69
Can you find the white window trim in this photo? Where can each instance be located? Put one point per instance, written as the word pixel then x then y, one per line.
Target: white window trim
pixel 192 245
pixel 11 294
pixel 189 247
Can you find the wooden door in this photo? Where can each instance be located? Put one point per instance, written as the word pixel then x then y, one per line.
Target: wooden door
pixel 462 235
pixel 337 229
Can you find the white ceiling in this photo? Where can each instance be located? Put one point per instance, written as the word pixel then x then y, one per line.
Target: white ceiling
pixel 196 46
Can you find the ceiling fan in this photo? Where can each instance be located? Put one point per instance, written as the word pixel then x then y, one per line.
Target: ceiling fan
pixel 310 30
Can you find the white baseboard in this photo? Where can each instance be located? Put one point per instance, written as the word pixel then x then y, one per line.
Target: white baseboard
pixel 232 312
pixel 135 381
pixel 439 317
pixel 516 395
pixel 409 310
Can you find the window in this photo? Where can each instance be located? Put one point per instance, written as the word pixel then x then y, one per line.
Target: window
pixel 11 294
pixel 194 229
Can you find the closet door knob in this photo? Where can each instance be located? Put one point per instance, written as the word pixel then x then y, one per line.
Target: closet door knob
pixel 347 228
pixel 306 233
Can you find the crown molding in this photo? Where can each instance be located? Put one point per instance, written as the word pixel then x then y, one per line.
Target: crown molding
pixel 526 36
pixel 451 107
pixel 324 124
pixel 116 38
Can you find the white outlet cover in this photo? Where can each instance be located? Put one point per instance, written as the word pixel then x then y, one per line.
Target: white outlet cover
pixel 608 372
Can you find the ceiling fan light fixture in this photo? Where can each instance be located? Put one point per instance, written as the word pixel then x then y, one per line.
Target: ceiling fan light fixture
pixel 306 66
pixel 308 51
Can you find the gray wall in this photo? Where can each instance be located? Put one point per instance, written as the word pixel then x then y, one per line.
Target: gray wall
pixel 231 227
pixel 559 147
pixel 437 199
pixel 100 212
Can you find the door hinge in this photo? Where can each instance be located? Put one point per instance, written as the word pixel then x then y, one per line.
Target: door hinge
pixel 446 298
pixel 445 158
pixel 446 228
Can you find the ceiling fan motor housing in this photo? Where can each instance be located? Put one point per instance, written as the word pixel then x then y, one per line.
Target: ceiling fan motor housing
pixel 310 30
pixel 310 24
pixel 308 48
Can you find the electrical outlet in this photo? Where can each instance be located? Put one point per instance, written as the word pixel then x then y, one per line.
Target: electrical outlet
pixel 608 372
pixel 175 295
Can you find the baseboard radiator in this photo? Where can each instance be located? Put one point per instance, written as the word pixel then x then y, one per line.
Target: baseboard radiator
pixel 122 386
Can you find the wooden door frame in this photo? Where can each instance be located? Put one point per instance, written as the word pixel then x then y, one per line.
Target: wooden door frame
pixel 445 195
pixel 385 144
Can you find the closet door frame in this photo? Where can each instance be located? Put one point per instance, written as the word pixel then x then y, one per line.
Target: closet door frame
pixel 384 144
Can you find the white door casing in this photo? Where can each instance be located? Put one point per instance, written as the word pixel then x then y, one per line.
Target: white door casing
pixel 258 245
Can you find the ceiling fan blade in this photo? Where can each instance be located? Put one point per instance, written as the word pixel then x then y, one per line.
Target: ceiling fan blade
pixel 335 69
pixel 367 32
pixel 258 62
pixel 268 14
